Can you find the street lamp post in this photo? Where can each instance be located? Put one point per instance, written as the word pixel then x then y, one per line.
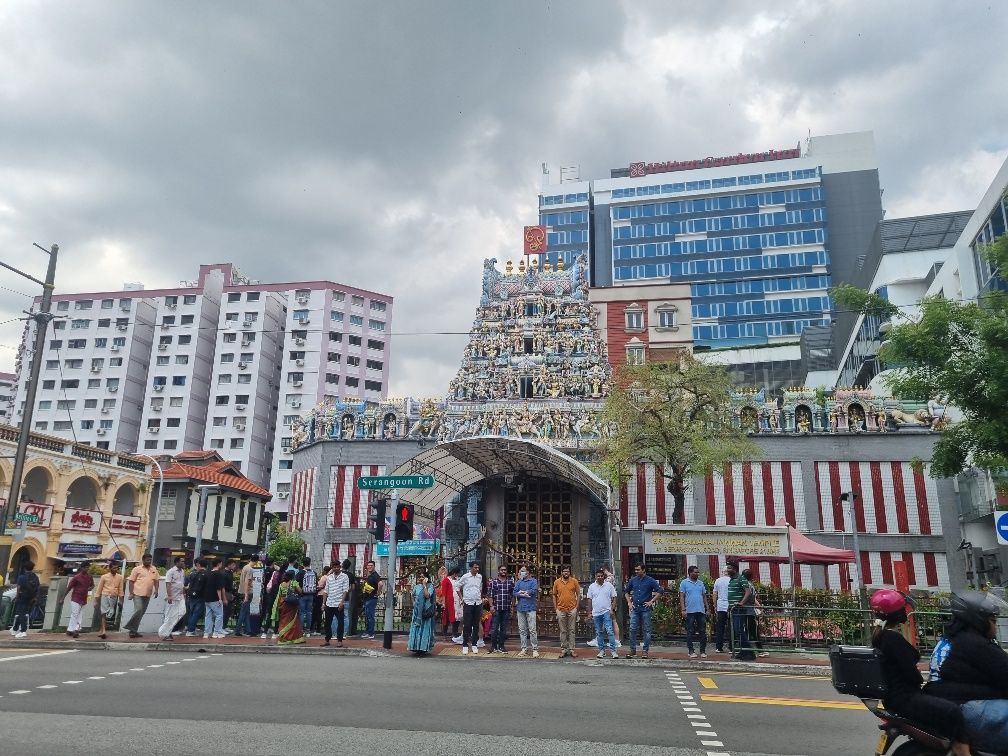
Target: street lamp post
pixel 204 492
pixel 152 533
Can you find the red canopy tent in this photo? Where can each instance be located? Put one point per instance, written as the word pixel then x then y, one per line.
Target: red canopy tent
pixel 804 551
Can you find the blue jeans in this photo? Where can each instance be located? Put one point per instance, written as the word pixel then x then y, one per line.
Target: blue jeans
pixel 499 627
pixel 196 610
pixel 213 620
pixel 696 627
pixel 640 619
pixel 987 724
pixel 244 620
pixel 604 629
pixel 369 614
pixel 307 604
pixel 740 632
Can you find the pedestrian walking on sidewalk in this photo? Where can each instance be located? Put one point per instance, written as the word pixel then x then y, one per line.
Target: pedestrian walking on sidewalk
pixel 214 599
pixel 567 601
pixel 308 581
pixel 244 626
pixel 142 585
pixel 470 590
pixel 502 596
pixel 25 599
pixel 454 600
pixel 603 596
pixel 526 592
pixel 425 609
pixel 693 604
pixel 286 610
pixel 721 609
pixel 271 584
pixel 194 591
pixel 741 603
pixel 337 587
pixel 78 587
pixel 752 619
pixel 106 596
pixel 641 594
pixel 175 610
pixel 351 612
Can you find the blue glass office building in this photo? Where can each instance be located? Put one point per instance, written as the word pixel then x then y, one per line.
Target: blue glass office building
pixel 755 236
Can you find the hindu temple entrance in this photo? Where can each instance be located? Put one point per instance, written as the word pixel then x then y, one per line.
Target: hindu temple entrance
pixel 538 521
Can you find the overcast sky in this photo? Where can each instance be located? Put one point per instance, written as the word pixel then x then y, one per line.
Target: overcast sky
pixel 393 146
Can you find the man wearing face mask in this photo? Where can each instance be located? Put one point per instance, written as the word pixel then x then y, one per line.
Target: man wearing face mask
pixel 526 591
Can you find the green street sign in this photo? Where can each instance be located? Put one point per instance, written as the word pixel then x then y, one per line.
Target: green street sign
pixel 376 482
pixel 30 519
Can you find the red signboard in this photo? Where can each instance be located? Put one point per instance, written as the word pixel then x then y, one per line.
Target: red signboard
pixel 535 240
pixel 643 169
pixel 42 511
pixel 124 524
pixel 82 519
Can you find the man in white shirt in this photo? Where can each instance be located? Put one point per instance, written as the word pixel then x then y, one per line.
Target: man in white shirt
pixel 175 609
pixel 721 608
pixel 602 596
pixel 470 588
pixel 337 587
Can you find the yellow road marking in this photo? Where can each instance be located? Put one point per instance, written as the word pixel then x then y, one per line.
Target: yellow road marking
pixel 774 701
pixel 769 674
pixel 707 682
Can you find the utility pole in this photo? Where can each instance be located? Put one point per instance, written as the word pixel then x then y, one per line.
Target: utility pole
pixel 204 492
pixel 390 578
pixel 41 318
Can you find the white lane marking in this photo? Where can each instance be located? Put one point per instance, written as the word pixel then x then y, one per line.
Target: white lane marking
pixel 154 666
pixel 36 656
pixel 173 662
pixel 96 677
pixel 117 673
pixel 216 654
pixel 136 669
pixel 718 753
pixel 18 692
pixel 695 716
pixel 188 660
pixel 698 719
pixel 46 687
pixel 707 733
pixel 690 708
pixel 72 682
pixel 716 743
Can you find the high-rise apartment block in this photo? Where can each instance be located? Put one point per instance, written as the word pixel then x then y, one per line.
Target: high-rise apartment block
pixel 222 363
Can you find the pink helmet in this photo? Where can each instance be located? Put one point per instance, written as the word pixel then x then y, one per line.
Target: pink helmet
pixel 886 601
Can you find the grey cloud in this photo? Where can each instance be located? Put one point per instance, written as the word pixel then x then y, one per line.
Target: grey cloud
pixel 394 145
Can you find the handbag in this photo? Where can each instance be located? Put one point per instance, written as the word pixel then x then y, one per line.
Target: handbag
pixel 292 597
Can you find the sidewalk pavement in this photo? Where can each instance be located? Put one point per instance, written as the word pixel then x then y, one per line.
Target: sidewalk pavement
pixel 662 656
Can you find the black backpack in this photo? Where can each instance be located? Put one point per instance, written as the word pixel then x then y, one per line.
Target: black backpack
pixel 197 581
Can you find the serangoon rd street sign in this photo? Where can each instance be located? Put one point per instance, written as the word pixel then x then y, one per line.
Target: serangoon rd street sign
pixel 376 482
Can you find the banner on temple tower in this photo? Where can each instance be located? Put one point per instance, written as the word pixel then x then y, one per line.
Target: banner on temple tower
pixel 535 240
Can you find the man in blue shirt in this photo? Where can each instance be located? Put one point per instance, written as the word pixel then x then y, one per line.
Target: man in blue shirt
pixel 525 591
pixel 641 593
pixel 693 603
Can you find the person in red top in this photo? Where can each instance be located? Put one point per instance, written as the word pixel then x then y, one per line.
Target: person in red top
pixel 446 596
pixel 79 587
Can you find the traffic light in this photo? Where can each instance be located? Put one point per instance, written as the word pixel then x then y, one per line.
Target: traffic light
pixel 376 514
pixel 404 522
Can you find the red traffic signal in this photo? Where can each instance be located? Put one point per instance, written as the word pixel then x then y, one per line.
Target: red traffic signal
pixel 404 522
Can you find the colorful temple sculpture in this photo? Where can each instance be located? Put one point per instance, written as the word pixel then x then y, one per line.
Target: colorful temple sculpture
pixel 535 368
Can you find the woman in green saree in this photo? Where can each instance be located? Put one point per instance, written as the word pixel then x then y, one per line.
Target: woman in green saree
pixel 286 616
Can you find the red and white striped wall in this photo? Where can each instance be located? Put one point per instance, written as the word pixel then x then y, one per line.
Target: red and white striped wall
pixel 755 493
pixel 644 498
pixel 348 506
pixel 926 569
pixel 893 497
pixel 302 492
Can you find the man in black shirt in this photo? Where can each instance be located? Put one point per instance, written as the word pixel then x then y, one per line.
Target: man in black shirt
pixel 215 598
pixel 370 588
pixel 351 617
pixel 194 593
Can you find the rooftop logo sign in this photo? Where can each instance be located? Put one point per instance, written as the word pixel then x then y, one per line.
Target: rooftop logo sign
pixel 643 169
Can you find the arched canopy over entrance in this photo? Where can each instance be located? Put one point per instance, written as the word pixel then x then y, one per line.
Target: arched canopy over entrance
pixel 458 464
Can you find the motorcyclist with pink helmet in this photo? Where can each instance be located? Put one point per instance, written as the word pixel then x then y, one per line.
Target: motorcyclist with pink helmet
pixel 899 665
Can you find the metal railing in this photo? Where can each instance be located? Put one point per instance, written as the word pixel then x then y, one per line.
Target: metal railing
pixel 806 629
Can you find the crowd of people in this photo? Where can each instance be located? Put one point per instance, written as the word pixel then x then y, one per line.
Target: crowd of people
pixel 288 601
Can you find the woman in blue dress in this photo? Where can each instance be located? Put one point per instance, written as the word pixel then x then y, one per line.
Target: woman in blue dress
pixel 421 636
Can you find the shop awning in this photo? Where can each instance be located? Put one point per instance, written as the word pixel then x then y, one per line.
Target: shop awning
pixel 805 551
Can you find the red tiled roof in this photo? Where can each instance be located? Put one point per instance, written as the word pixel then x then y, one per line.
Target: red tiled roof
pixel 198 454
pixel 212 474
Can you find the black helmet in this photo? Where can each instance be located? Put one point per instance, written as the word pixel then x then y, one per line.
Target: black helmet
pixel 974 609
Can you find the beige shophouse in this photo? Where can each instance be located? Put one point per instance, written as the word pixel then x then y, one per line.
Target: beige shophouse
pixel 90 503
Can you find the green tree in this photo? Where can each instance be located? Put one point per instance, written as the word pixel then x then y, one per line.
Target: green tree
pixel 673 414
pixel 957 351
pixel 284 545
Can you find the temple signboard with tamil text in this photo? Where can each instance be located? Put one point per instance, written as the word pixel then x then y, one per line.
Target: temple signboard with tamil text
pixel 706 540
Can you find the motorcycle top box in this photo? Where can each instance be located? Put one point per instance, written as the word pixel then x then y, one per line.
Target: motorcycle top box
pixel 857 671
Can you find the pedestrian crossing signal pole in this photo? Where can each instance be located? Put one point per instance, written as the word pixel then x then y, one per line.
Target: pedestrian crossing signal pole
pixel 390 580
